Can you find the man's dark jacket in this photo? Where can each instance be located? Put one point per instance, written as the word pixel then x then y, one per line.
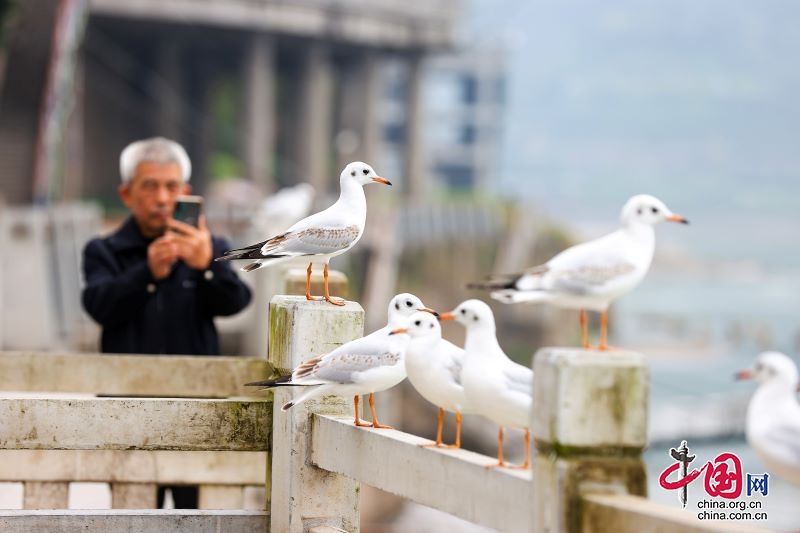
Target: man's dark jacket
pixel 169 316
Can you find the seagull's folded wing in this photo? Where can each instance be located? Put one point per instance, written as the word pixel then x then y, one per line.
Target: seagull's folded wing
pixel 346 363
pixel 312 241
pixel 589 277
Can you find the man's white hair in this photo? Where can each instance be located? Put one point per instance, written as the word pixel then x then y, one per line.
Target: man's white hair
pixel 154 150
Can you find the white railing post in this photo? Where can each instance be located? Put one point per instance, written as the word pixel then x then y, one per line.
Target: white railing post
pixel 589 426
pixel 304 496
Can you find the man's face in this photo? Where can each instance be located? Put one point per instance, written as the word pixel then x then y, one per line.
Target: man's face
pixel 151 195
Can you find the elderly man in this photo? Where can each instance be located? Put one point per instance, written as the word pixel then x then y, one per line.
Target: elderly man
pixel 155 291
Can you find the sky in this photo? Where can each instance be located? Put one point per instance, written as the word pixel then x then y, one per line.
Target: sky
pixel 694 102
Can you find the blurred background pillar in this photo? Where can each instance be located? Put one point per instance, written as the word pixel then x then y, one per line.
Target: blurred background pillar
pixel 415 160
pixel 260 118
pixel 358 135
pixel 168 88
pixel 316 113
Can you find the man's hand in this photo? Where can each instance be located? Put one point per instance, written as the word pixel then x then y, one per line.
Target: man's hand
pixel 193 244
pixel 161 255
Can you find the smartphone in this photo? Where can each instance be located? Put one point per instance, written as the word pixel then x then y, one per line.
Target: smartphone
pixel 188 209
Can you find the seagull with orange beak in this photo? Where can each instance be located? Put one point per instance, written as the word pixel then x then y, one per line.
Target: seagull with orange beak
pixel 589 276
pixel 367 365
pixel 321 236
pixel 773 415
pixel 434 365
pixel 494 385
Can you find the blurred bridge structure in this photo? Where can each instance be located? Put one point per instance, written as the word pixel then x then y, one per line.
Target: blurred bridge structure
pixel 274 91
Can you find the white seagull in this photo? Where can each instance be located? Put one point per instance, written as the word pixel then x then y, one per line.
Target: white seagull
pixel 592 274
pixel 321 236
pixel 362 366
pixel 434 367
pixel 773 416
pixel 496 387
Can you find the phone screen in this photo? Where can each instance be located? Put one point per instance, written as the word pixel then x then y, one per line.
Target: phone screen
pixel 187 209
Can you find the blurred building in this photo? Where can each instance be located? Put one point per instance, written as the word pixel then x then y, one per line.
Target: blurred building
pixel 274 91
pixel 463 101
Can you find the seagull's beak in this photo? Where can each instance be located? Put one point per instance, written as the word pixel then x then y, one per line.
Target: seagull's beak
pixel 446 316
pixel 743 374
pixel 398 331
pixel 429 310
pixel 677 218
pixel 379 179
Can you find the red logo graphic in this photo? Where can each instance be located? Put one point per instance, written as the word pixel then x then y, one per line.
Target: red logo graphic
pixel 723 477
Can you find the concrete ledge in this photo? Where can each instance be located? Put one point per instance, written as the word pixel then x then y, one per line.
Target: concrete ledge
pixel 454 481
pixel 135 466
pixel 79 423
pixel 629 514
pixel 131 375
pixel 122 521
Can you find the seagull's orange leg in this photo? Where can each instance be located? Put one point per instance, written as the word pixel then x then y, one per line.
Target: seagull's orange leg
pixel 500 458
pixel 457 445
pixel 375 423
pixel 308 285
pixel 357 421
pixel 438 431
pixel 337 301
pixel 584 329
pixel 603 331
pixel 527 462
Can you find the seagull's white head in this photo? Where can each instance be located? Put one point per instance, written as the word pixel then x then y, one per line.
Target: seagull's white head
pixel 646 209
pixel 472 314
pixel 773 367
pixel 421 325
pixel 403 306
pixel 362 174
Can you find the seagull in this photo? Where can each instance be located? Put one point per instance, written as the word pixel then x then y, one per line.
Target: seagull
pixel 366 365
pixel 434 367
pixel 320 236
pixel 495 386
pixel 773 416
pixel 592 274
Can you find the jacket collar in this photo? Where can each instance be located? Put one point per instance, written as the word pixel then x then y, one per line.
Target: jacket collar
pixel 128 236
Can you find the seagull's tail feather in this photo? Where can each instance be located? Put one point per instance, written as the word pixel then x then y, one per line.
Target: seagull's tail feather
pixel 312 392
pixel 495 283
pixel 282 381
pixel 513 296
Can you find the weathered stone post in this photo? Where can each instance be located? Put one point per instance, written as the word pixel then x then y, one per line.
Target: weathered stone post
pixel 302 495
pixel 589 426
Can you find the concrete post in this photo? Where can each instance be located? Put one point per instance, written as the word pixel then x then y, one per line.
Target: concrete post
pixel 415 172
pixel 316 119
pixel 304 496
pixel 589 427
pixel 260 117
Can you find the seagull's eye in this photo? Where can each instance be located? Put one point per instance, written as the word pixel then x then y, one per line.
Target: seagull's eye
pixel 463 311
pixel 353 173
pixel 365 171
pixel 418 323
pixel 397 306
pixel 408 303
pixel 654 210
